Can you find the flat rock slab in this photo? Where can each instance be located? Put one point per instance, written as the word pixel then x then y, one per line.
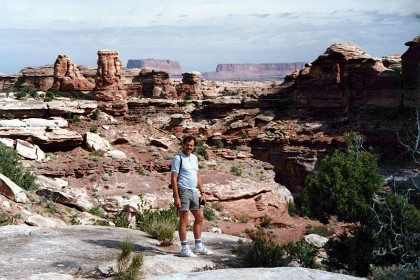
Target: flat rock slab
pixel 290 273
pixel 79 252
pixel 30 252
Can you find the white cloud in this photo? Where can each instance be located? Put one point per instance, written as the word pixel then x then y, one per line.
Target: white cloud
pixel 199 34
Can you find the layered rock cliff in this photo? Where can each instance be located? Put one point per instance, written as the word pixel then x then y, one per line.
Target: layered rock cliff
pixel 253 72
pixel 173 67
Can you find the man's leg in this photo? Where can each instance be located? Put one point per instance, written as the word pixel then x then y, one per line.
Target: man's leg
pixel 182 226
pixel 198 222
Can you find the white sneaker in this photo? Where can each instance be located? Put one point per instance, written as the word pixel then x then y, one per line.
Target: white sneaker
pixel 187 253
pixel 202 251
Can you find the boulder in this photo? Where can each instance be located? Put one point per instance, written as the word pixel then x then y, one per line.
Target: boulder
pixel 12 191
pixel 94 142
pixel 29 151
pixel 316 240
pixel 40 221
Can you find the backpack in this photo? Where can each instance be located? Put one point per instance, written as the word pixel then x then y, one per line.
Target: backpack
pixel 180 165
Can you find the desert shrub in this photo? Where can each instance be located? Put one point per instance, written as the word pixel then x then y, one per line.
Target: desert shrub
pixel 11 167
pixel 395 272
pixel 93 129
pixel 76 118
pixel 68 115
pixel 344 184
pixel 121 219
pixel 201 150
pixel 97 212
pixel 10 116
pixel 319 230
pixel 303 253
pixel 159 224
pixel 95 114
pixel 219 144
pixel 235 170
pixel 217 206
pixel 209 213
pixel 262 251
pixel 396 230
pixel 20 95
pixel 243 219
pixel 352 253
pixel 266 221
pixel 5 219
pixel 75 220
pixel 291 208
pixel 129 265
pixel 26 91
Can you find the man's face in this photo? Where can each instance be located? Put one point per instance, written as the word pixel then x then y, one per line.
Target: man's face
pixel 188 147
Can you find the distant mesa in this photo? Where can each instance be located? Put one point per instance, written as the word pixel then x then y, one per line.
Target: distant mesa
pixel 253 72
pixel 173 67
pixel 226 72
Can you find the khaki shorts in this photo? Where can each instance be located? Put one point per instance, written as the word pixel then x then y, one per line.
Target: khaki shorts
pixel 190 199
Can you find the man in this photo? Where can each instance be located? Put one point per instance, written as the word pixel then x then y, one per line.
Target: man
pixel 188 192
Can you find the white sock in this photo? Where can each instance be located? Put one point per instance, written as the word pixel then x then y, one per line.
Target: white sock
pixel 184 245
pixel 198 243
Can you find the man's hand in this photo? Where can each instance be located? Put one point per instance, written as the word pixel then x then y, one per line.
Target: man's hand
pixel 177 202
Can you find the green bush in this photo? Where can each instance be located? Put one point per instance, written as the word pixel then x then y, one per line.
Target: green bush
pixel 11 167
pixel 201 150
pixel 93 129
pixel 303 253
pixel 352 253
pixel 5 219
pixel 319 230
pixel 209 213
pixel 160 224
pixel 396 272
pixel 129 265
pixel 217 206
pixel 121 219
pixel 20 95
pixel 219 144
pixel 235 170
pixel 95 114
pixel 262 251
pixel 243 219
pixel 25 91
pixel 344 184
pixel 266 221
pixel 395 227
pixel 291 208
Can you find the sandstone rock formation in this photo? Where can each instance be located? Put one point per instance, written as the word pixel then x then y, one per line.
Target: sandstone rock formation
pixel 67 76
pixel 190 86
pixel 156 84
pixel 108 84
pixel 411 70
pixel 173 67
pixel 346 75
pixel 253 72
pixel 40 78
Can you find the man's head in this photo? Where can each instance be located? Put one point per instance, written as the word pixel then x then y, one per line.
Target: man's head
pixel 188 144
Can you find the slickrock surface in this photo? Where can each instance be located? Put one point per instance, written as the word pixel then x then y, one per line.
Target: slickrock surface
pixel 80 252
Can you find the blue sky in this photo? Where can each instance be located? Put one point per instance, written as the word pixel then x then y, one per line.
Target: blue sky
pixel 199 34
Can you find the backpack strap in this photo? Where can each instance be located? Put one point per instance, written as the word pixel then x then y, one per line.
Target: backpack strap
pixel 180 163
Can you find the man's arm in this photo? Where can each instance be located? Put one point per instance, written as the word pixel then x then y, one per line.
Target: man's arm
pixel 174 182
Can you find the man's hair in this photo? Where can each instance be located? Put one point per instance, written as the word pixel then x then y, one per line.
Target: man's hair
pixel 188 139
